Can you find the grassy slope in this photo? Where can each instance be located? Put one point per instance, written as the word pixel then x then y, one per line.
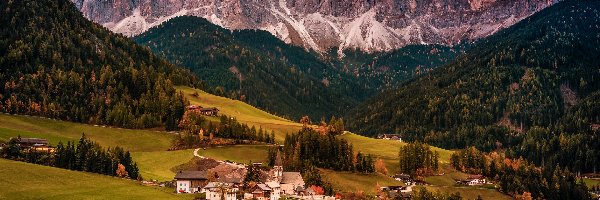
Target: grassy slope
pixel 345 181
pixel 591 182
pixel 238 153
pixel 243 112
pixel 19 180
pixel 387 149
pixel 55 131
pixel 148 147
pixel 468 192
pixel 157 165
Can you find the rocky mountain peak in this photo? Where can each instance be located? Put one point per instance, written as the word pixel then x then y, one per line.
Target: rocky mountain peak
pixel 319 25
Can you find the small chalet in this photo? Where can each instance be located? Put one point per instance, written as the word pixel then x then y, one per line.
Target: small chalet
pixel 193 107
pixel 261 192
pixel 214 190
pixel 389 137
pixel 405 178
pixel 290 182
pixel 204 111
pixel 35 144
pixel 191 181
pixel 209 111
pixel 473 180
pixel 32 142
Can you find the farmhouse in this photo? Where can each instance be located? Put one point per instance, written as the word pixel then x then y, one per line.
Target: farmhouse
pixel 204 111
pixel 473 180
pixel 405 178
pixel 209 111
pixel 261 192
pixel 35 144
pixel 214 190
pixel 291 182
pixel 193 107
pixel 389 137
pixel 191 181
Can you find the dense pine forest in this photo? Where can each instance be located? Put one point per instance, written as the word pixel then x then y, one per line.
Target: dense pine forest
pixel 255 67
pixel 380 70
pixel 520 177
pixel 85 155
pixel 56 63
pixel 310 148
pixel 531 90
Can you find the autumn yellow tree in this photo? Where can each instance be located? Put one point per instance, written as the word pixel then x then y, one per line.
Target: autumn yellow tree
pixel 380 166
pixel 121 172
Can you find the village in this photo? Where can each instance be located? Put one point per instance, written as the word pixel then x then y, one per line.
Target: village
pixel 214 179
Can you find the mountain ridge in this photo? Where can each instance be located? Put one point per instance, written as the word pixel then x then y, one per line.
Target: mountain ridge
pixel 370 26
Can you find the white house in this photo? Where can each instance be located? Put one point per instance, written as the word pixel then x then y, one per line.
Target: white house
pixel 476 180
pixel 214 190
pixel 190 181
pixel 275 190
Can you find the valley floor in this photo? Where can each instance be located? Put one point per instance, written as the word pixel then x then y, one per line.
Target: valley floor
pixel 149 150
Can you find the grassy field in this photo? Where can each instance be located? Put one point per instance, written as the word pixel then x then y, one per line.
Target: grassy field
pixel 386 149
pixel 591 182
pixel 238 153
pixel 346 181
pixel 157 165
pixel 448 179
pixel 55 131
pixel 469 192
pixel 19 180
pixel 243 112
pixel 148 148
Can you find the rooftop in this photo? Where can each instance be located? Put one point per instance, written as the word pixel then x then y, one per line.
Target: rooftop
pixel 188 175
pixel 208 109
pixel 292 177
pixel 34 141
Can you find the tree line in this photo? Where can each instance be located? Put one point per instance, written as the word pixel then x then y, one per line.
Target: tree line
pixel 308 147
pixel 416 158
pixel 84 155
pixel 197 130
pixel 519 177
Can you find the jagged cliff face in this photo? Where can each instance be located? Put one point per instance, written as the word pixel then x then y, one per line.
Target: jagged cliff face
pixel 368 25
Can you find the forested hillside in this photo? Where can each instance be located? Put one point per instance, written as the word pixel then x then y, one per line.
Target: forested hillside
pixel 532 88
pixel 255 67
pixel 380 70
pixel 56 63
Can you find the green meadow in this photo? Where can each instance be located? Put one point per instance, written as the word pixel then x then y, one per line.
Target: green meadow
pixel 56 130
pixel 149 148
pixel 19 180
pixel 245 113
